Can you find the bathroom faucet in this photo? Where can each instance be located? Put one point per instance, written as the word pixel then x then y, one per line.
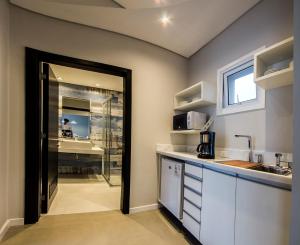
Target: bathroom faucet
pixel 278 159
pixel 249 144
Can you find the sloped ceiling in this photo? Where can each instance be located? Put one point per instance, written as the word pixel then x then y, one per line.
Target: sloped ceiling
pixel 190 23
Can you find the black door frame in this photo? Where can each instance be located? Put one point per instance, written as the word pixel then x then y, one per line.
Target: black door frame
pixel 33 156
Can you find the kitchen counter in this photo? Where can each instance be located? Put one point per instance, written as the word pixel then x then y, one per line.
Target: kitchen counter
pixel 280 181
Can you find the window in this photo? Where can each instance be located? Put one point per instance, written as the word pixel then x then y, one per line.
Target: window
pixel 237 91
pixel 240 85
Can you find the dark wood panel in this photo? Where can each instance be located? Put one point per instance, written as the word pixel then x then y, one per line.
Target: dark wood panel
pixel 50 98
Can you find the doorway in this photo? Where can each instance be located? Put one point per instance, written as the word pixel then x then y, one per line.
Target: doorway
pixel 50 139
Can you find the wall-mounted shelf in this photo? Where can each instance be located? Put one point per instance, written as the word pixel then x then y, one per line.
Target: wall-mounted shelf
pixel 198 95
pixel 267 58
pixel 190 132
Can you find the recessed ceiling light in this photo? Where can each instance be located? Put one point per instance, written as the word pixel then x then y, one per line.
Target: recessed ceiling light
pixel 165 20
pixel 59 79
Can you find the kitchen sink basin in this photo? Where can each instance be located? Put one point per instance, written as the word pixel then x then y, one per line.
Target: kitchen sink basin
pixel 258 167
pixel 272 169
pixel 239 163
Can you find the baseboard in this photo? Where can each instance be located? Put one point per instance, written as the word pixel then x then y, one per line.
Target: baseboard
pixel 9 223
pixel 144 208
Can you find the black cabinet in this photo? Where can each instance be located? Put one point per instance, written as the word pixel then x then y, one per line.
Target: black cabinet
pixel 73 163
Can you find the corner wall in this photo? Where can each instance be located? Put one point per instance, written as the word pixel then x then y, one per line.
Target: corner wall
pixel 157 75
pixel 4 54
pixel 295 234
pixel 268 22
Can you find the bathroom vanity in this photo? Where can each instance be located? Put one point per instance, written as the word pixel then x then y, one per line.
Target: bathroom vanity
pixel 78 146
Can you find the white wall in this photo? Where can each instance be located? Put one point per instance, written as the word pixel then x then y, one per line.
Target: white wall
pixel 295 234
pixel 4 49
pixel 157 75
pixel 268 22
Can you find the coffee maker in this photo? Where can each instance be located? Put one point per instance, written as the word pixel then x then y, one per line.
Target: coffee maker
pixel 206 148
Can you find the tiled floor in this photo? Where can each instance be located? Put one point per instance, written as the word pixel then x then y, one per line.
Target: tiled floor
pixel 104 228
pixel 76 195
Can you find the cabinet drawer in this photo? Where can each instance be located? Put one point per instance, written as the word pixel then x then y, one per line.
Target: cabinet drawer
pixel 192 196
pixel 193 170
pixel 192 210
pixel 191 225
pixel 194 184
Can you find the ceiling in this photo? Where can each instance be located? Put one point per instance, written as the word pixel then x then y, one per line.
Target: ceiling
pixel 181 26
pixel 87 78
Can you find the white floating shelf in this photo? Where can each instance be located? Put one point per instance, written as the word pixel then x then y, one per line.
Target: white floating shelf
pixel 199 94
pixel 191 131
pixel 193 105
pixel 276 79
pixel 266 58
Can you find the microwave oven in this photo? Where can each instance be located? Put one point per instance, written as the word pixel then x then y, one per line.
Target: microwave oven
pixel 189 120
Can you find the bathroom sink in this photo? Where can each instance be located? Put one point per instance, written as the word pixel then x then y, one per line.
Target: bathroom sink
pixel 272 169
pixel 75 144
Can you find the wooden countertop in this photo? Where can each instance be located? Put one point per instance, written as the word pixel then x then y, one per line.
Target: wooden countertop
pixel 240 164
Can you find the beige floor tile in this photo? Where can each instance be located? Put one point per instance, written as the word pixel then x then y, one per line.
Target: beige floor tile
pixel 85 195
pixel 107 228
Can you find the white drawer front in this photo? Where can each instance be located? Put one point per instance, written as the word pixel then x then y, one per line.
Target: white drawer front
pixel 192 196
pixel 191 225
pixel 192 210
pixel 193 184
pixel 193 170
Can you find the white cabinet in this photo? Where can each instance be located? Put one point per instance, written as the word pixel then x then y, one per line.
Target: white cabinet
pixel 218 208
pixel 191 224
pixel 262 214
pixel 221 208
pixel 171 186
pixel 192 199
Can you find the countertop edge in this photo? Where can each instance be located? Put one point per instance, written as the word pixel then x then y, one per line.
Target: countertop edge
pixel 98 151
pixel 283 182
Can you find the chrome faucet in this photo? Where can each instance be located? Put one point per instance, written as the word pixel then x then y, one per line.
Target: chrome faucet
pixel 278 157
pixel 249 144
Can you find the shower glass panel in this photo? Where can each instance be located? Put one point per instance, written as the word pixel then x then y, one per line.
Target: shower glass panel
pixel 107 138
pixel 112 147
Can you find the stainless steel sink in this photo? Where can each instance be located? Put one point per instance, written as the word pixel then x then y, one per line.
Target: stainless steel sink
pixel 272 169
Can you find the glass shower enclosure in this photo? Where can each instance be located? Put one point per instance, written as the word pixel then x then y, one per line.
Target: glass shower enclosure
pixel 112 161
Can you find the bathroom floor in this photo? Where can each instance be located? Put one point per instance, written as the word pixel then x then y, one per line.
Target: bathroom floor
pixel 84 194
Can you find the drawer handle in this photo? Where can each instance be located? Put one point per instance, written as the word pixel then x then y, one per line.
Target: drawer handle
pixel 192 190
pixel 195 205
pixel 193 177
pixel 199 222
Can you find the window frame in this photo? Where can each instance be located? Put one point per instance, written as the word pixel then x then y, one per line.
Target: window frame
pixel 222 89
pixel 226 75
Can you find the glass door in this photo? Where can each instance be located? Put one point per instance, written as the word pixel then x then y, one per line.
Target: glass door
pixel 107 138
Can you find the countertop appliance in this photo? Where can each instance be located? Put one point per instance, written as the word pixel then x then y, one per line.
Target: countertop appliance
pixel 206 148
pixel 171 185
pixel 189 120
